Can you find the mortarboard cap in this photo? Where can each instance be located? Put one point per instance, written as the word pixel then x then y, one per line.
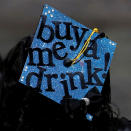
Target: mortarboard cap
pixel 66 59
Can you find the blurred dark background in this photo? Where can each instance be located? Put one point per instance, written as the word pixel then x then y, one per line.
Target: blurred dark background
pixel 20 18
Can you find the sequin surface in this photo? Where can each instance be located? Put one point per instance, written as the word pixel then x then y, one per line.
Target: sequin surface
pixel 55 76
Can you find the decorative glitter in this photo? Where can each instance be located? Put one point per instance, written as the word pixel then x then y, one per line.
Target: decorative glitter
pixel 49 11
pixel 46 7
pixel 22 77
pixel 26 67
pixel 110 42
pixel 51 15
pixel 53 10
pixel 113 44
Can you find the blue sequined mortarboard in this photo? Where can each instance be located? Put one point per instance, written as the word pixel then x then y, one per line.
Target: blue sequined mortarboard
pixel 57 41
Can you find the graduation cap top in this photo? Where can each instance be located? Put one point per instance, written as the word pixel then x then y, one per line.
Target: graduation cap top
pixel 66 59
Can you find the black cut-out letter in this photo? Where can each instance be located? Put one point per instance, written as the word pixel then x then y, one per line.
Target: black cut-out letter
pixel 49 81
pixel 77 37
pixel 42 27
pixel 67 35
pixel 40 57
pixel 55 49
pixel 93 49
pixel 65 86
pixel 93 75
pixel 39 77
pixel 81 77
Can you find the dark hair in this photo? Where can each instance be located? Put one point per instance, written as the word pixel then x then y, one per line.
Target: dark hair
pixel 15 60
pixel 24 108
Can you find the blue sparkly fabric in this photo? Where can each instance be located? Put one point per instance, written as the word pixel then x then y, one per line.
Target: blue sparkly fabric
pixel 90 70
